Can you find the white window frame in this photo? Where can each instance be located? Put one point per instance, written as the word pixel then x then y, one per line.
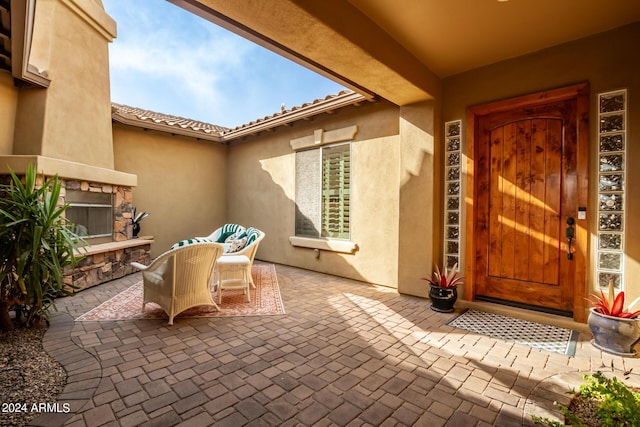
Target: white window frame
pixel 317 141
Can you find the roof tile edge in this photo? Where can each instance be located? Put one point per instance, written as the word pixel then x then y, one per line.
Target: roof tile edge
pixel 148 119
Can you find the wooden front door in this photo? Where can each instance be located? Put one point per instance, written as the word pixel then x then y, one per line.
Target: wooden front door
pixel 526 162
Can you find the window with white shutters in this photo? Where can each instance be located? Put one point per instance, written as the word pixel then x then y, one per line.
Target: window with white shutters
pixel 323 178
pixel 335 191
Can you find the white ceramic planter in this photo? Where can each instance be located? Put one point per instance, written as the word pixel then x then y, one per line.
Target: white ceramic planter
pixel 614 334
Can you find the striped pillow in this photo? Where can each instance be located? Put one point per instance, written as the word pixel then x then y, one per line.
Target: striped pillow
pixel 252 235
pixel 187 242
pixel 228 230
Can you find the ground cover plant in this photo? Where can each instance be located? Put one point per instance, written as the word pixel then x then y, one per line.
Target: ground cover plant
pixel 601 401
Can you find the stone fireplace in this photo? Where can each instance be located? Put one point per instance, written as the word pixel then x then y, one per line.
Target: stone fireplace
pixel 57 111
pixel 110 257
pixel 105 259
pixel 120 199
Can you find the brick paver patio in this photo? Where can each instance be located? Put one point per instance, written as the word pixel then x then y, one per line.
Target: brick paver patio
pixel 346 354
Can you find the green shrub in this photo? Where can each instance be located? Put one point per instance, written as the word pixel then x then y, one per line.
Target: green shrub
pixel 35 247
pixel 617 404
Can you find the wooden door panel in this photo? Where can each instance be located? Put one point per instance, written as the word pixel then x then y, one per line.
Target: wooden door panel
pixel 538 223
pixel 524 201
pixel 520 199
pixel 537 195
pixel 553 199
pixel 495 189
pixel 506 218
pixel 524 235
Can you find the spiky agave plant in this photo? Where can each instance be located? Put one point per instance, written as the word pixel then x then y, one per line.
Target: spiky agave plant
pixel 446 279
pixel 611 306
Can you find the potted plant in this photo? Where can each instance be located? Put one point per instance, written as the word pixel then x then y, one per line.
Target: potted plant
pixel 136 219
pixel 443 291
pixel 614 329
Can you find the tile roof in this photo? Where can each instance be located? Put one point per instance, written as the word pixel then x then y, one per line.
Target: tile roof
pixel 283 112
pixel 302 112
pixel 166 121
pixel 183 126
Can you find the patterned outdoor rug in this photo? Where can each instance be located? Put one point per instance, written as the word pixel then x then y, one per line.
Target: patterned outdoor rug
pixel 536 335
pixel 265 301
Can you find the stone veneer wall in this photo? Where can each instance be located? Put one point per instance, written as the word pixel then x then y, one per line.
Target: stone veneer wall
pixel 109 263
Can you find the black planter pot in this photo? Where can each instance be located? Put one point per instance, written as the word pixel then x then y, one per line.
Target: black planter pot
pixel 136 230
pixel 443 299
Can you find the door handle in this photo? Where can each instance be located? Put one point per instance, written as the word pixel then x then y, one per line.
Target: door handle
pixel 570 233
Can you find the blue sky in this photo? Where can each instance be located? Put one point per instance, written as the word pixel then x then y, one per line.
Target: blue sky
pixel 171 61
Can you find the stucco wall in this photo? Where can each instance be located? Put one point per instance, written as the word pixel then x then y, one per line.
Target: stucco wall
pixel 8 102
pixel 608 62
pixel 261 188
pixel 181 182
pixel 419 238
pixel 192 187
pixel 70 44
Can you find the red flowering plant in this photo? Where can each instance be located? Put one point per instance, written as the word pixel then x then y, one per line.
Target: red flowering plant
pixel 603 306
pixel 447 279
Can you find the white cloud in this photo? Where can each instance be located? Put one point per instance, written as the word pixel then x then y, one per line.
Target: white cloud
pixel 166 59
pixel 199 68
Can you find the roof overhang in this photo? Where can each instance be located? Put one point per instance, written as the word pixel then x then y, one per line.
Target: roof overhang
pixel 177 126
pixel 346 45
pixel 304 112
pixel 162 126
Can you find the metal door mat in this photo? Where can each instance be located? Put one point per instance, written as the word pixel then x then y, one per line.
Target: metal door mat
pixel 536 335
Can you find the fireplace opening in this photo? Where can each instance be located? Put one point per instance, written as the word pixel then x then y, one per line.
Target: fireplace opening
pixel 91 214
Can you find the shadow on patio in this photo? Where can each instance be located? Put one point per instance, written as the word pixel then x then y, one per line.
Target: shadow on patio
pixel 346 353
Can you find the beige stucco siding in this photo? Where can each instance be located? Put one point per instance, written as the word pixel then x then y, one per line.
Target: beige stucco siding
pixel 8 102
pixel 261 188
pixel 419 202
pixel 192 187
pixel 181 182
pixel 607 62
pixel 73 113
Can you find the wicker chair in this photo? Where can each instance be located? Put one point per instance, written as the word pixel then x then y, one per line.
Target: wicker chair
pixel 250 250
pixel 236 266
pixel 179 278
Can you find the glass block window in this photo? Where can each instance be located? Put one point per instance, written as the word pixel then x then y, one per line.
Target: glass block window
pixel 612 139
pixel 452 192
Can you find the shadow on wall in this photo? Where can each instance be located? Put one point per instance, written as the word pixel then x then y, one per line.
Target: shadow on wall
pixel 193 187
pixel 266 198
